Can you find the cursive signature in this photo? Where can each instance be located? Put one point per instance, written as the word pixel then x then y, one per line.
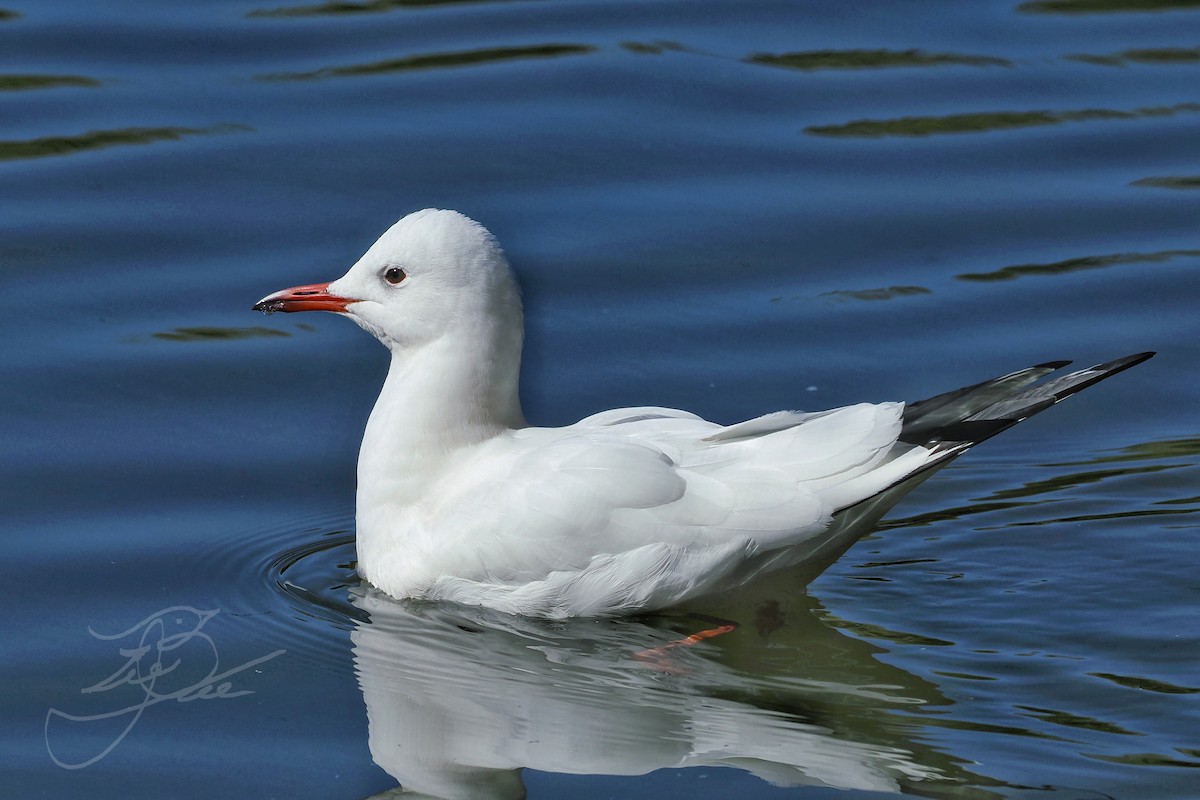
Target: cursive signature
pixel 160 666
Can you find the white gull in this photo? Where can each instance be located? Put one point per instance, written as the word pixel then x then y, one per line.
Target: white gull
pixel 628 510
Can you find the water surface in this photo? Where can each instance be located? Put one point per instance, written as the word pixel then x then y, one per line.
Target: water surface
pixel 731 208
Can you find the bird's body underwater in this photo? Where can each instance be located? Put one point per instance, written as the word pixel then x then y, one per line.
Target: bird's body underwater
pixel 628 510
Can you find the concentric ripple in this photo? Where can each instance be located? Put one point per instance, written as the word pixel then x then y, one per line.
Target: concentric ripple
pixel 315 574
pixel 293 577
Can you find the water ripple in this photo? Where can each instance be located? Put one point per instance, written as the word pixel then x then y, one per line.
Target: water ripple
pixel 306 563
pixel 1076 264
pixel 1159 55
pixel 1145 684
pixel 370 7
pixel 1145 760
pixel 20 83
pixel 981 122
pixel 211 333
pixel 461 58
pixel 1170 182
pixel 1164 448
pixel 94 140
pixel 1105 6
pixel 1069 720
pixel 887 293
pixel 810 60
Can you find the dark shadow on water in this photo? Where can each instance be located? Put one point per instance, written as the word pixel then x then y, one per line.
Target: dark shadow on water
pixel 1105 6
pixel 1070 720
pixel 947 514
pixel 869 631
pixel 1165 448
pixel 22 83
pixel 95 140
pixel 370 7
pixel 1061 482
pixel 464 58
pixel 1162 55
pixel 210 334
pixel 810 60
pixel 867 295
pixel 1076 265
pixel 981 122
pixel 887 293
pixel 656 48
pixel 1145 684
pixel 1169 182
pixel 1146 760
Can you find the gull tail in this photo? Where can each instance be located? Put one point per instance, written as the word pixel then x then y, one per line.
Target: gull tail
pixel 975 413
pixel 942 427
pixel 950 424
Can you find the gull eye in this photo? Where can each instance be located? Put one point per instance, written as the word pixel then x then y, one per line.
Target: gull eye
pixel 394 275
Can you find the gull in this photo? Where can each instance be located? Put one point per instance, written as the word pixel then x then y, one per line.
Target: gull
pixel 627 510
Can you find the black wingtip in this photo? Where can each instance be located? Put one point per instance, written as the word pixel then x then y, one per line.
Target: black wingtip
pixel 1122 364
pixel 979 412
pixel 1072 385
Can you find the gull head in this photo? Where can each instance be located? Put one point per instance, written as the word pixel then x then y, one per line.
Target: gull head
pixel 432 274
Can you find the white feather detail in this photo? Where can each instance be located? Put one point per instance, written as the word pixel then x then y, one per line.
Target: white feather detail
pixel 652 576
pixel 635 508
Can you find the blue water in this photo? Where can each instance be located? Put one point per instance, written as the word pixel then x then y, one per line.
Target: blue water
pixel 727 207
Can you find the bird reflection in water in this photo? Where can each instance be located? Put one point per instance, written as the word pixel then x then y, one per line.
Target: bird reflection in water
pixel 460 699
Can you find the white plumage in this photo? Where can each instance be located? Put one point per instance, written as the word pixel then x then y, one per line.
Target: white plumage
pixel 627 510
